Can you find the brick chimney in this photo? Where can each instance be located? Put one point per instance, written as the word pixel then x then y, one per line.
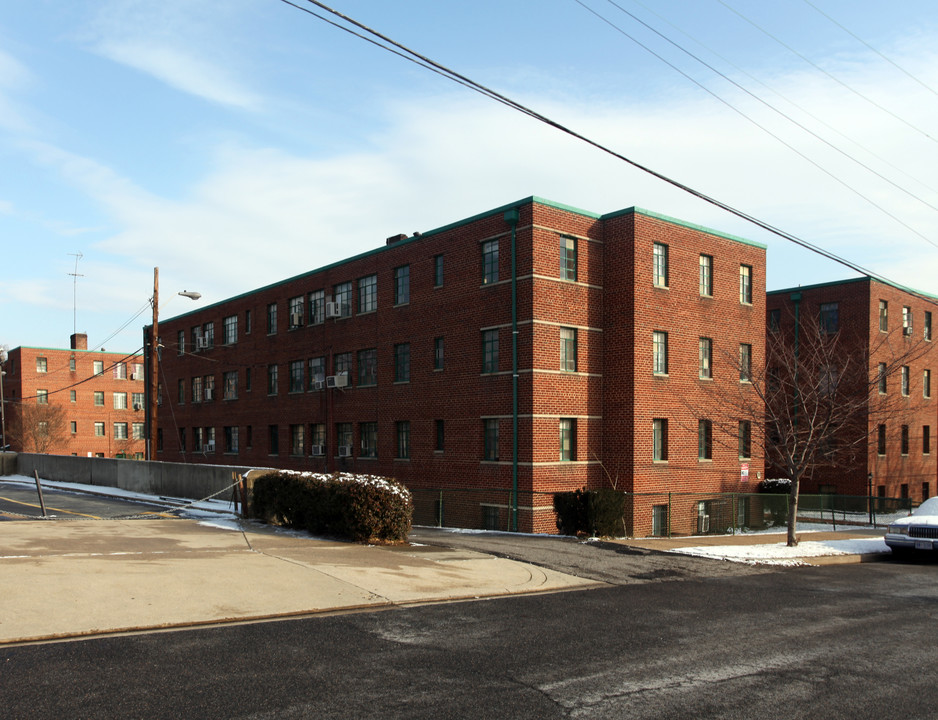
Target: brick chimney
pixel 79 341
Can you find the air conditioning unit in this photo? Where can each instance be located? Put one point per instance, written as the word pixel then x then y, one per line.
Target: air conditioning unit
pixel 138 406
pixel 135 376
pixel 345 450
pixel 209 447
pixel 907 330
pixel 703 523
pixel 339 380
pixel 208 393
pixel 319 384
pixel 201 343
pixel 318 450
pixel 333 309
pixel 296 319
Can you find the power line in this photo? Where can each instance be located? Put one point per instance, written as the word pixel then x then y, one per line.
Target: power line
pixel 759 125
pixel 417 58
pixel 828 74
pixel 870 47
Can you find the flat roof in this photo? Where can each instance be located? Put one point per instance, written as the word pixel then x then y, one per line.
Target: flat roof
pixel 848 281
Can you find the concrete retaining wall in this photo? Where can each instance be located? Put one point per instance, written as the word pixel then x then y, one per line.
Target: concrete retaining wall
pixel 179 480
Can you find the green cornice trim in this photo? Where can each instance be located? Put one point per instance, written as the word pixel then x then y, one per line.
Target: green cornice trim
pixel 849 281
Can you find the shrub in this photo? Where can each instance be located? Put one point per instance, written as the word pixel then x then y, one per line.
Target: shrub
pixel 364 508
pixel 775 485
pixel 592 512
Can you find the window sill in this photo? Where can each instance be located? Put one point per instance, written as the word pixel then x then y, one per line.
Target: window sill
pixel 661 375
pixel 661 287
pixel 659 462
pixel 706 379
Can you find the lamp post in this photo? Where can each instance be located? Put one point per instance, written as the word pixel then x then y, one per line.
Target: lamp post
pixel 154 358
pixel 3 420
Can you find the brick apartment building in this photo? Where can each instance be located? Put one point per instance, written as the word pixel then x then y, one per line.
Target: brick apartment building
pixel 401 362
pixel 889 330
pixel 75 401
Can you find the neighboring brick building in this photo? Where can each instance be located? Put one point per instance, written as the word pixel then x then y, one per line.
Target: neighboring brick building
pixel 74 402
pixel 881 326
pixel 399 362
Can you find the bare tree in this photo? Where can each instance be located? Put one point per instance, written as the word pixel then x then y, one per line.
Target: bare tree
pixel 815 402
pixel 39 427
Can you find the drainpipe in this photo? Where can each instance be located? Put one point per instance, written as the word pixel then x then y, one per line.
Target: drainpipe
pixel 511 217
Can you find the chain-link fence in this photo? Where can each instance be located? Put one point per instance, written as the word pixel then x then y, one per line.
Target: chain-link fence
pixel 661 514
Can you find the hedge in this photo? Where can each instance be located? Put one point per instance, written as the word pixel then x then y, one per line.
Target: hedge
pixel 364 508
pixel 593 512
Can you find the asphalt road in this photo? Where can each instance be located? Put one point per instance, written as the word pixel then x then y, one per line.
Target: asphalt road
pixel 849 641
pixel 19 502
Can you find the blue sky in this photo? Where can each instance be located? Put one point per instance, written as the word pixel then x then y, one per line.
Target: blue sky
pixel 236 144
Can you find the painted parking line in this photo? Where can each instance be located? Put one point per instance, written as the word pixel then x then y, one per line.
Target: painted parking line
pixel 61 510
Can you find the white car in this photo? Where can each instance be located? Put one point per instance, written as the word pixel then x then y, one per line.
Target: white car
pixel 919 531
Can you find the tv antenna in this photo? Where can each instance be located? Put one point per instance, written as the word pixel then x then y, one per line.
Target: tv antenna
pixel 75 277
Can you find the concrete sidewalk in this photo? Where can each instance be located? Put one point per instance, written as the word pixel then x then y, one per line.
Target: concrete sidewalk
pixel 82 578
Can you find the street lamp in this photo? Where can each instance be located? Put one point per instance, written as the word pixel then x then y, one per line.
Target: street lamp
pixel 154 357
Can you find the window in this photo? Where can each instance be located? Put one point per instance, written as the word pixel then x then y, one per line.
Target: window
pixel 745 362
pixel 489 262
pixel 342 295
pixel 882 378
pixel 402 362
pixel 344 436
pixel 440 436
pixel 368 367
pixel 230 387
pixel 209 382
pixel 438 353
pixel 660 266
pixel 906 320
pixel 403 439
pixel 72 395
pixel 273 440
pixel 120 401
pixel 568 349
pixel 272 318
pixel 317 307
pixel 438 271
pixel 182 439
pixel 210 438
pixel 138 429
pixel 197 389
pixel 271 379
pixel 120 431
pixel 829 318
pixel 881 440
pixel 297 439
pixel 295 308
pixel 296 376
pixel 402 285
pixel 99 398
pixel 73 426
pixel 99 429
pixel 208 332
pixel 745 439
pixel 659 341
pixel 71 364
pixel 136 371
pixel 489 351
pixel 231 438
pixel 568 258
pixel 706 275
pixel 41 365
pixel 42 397
pixel 926 439
pixel 745 284
pixel 704 440
pixel 926 383
pixel 317 436
pixel 705 353
pixel 98 367
pixel 317 371
pixel 905 379
pixel 490 439
pixel 247 323
pixel 181 390
pixel 247 381
pixel 567 439
pixel 368 294
pixel 136 401
pixel 181 342
pixel 369 435
pixel 905 439
pixel 342 363
pixel 197 439
pixel 928 325
pixel 229 328
pixel 883 316
pixel 659 440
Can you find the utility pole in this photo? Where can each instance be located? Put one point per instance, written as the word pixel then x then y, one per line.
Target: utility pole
pixel 154 356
